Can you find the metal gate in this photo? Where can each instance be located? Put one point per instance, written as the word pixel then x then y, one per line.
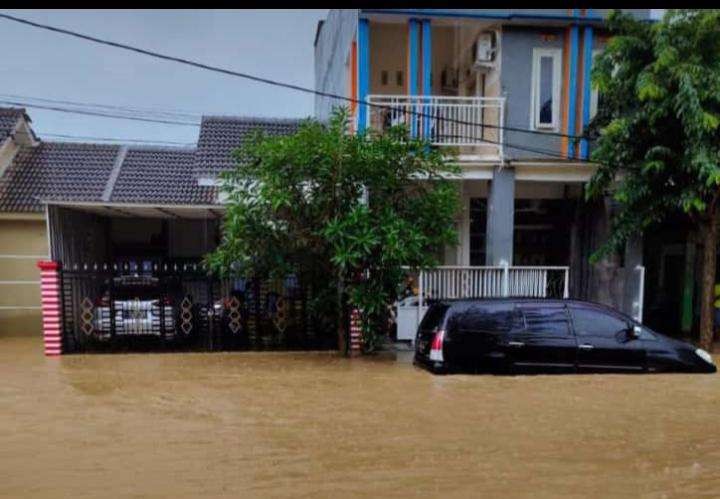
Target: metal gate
pixel 156 307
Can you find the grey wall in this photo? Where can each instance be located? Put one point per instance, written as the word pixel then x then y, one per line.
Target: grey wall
pixel 331 53
pixel 516 78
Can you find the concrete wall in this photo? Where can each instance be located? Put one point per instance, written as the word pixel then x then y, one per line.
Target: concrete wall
pixel 516 78
pixel 22 244
pixel 332 52
pixel 388 52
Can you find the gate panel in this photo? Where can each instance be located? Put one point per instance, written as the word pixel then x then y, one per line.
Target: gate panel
pixel 124 307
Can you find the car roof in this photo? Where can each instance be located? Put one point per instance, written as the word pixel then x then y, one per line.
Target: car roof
pixel 464 302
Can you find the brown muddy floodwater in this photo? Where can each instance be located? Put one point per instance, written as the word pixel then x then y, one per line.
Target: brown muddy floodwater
pixel 315 425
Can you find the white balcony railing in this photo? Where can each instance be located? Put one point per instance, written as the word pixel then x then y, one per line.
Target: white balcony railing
pixel 463 122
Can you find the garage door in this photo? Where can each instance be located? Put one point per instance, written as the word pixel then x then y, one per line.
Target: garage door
pixel 22 244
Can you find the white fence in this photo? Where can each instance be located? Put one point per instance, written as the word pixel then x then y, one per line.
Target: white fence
pixel 450 282
pixel 444 121
pixel 457 282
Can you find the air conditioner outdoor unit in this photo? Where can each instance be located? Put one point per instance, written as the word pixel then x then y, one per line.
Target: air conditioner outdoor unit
pixel 484 51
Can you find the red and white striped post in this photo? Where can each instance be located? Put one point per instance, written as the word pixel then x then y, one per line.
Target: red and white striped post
pixel 51 306
pixel 355 333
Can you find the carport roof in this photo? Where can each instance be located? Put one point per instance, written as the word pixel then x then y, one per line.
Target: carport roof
pixel 144 210
pixel 52 172
pixel 56 170
pixel 160 175
pixel 74 172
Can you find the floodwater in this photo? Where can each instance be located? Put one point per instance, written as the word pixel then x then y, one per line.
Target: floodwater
pixel 315 425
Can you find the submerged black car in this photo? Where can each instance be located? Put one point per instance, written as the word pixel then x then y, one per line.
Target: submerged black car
pixel 546 336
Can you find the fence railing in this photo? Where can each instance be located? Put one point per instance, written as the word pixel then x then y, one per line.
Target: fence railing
pixel 444 121
pixel 453 282
pixel 151 306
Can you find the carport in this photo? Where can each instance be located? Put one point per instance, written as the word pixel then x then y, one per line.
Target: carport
pixel 132 278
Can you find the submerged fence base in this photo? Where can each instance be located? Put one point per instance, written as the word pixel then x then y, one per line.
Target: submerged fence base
pixel 171 307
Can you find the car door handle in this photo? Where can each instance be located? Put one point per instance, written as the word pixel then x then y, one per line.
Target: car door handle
pixel 516 344
pixel 586 346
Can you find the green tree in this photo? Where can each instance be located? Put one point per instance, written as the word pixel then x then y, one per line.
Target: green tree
pixel 344 212
pixel 658 143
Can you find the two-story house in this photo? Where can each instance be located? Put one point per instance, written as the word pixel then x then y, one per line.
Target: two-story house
pixel 504 91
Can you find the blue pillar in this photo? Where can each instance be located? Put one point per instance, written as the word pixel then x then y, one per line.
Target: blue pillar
pixel 414 34
pixel 587 86
pixel 572 97
pixel 363 37
pixel 414 48
pixel 427 70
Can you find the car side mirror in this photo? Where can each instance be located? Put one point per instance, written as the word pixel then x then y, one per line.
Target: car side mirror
pixel 634 332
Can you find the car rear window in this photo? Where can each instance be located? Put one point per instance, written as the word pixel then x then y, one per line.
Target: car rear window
pixel 435 316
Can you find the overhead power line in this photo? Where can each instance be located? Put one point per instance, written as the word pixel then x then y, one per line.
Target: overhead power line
pixel 112 139
pixel 260 79
pixel 98 113
pixel 268 81
pixel 138 110
pixel 545 152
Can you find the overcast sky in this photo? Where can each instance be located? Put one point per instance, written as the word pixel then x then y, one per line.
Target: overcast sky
pixel 275 44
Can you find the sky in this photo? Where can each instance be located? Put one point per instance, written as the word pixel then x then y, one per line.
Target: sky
pixel 276 44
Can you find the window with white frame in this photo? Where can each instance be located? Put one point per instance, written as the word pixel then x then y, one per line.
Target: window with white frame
pixel 545 97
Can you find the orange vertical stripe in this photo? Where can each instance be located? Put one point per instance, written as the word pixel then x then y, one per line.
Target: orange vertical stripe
pixel 577 126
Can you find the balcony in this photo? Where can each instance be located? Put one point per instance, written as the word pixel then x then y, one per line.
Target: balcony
pixel 471 125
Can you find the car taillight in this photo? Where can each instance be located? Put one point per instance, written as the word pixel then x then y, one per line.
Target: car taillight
pixel 436 347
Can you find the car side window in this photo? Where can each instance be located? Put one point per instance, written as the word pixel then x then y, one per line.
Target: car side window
pixel 546 320
pixel 591 322
pixel 647 334
pixel 491 318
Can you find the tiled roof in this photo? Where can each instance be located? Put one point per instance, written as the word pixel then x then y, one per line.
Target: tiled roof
pixel 58 171
pixel 81 172
pixel 160 175
pixel 9 117
pixel 221 135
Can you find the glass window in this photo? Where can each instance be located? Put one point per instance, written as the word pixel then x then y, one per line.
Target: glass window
pixel 491 318
pixel 547 320
pixel 434 317
pixel 546 87
pixel 591 322
pixel 546 90
pixel 647 334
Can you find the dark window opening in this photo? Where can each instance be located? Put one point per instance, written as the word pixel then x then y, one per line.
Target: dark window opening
pixel 546 320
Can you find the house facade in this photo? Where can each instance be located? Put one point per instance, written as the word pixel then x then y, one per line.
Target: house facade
pixel 503 92
pixel 89 205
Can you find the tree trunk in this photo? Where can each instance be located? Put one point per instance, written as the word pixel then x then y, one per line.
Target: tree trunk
pixel 707 308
